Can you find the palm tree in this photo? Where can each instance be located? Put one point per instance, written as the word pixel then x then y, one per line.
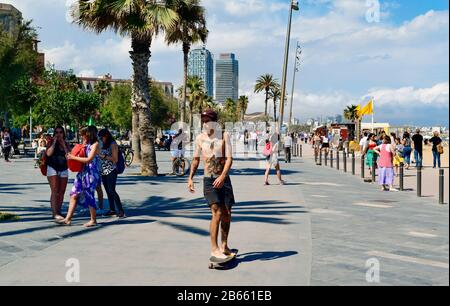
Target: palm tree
pixel 351 113
pixel 195 87
pixel 229 110
pixel 242 106
pixel 103 88
pixel 275 94
pixel 141 20
pixel 210 103
pixel 189 29
pixel 265 83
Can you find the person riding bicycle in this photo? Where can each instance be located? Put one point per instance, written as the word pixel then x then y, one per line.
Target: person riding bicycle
pixel 177 149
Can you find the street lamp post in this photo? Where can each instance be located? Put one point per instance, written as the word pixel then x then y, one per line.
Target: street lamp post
pixel 296 69
pixel 293 7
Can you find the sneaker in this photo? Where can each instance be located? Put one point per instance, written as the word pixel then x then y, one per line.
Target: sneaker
pixel 122 215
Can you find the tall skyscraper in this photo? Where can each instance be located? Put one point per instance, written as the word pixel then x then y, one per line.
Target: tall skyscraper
pixel 10 18
pixel 201 64
pixel 227 78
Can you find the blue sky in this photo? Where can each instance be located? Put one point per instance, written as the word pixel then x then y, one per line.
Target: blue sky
pixel 402 60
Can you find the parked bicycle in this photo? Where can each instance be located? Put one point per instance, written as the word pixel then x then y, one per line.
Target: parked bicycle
pixel 181 166
pixel 128 154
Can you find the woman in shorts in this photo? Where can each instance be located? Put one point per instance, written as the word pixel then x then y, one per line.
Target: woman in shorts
pixel 57 170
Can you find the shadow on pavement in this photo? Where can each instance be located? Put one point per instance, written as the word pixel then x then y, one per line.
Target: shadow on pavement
pixel 257 256
pixel 251 211
pixel 160 209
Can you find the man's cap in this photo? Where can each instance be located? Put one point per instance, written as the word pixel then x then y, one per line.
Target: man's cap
pixel 209 113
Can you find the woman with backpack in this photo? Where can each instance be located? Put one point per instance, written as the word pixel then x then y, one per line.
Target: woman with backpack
pixel 438 149
pixel 399 159
pixel 57 170
pixel 109 156
pixel 86 182
pixel 271 154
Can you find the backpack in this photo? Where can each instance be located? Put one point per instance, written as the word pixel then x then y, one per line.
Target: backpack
pixel 267 150
pixel 42 162
pixel 120 166
pixel 79 151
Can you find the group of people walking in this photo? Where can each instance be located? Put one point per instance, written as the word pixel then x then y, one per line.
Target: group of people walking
pixel 389 152
pixel 100 158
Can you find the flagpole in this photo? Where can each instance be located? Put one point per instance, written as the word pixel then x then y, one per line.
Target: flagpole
pixel 373 122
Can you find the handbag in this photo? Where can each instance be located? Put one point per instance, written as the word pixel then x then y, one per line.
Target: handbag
pixel 440 149
pixel 267 150
pixel 78 151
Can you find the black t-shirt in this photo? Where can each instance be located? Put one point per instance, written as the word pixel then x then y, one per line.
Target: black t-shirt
pixel 418 142
pixel 58 160
pixel 435 141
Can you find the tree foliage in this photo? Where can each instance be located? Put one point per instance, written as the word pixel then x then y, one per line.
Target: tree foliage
pixel 18 64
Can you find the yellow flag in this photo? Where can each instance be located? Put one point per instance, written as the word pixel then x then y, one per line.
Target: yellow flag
pixel 368 109
pixel 358 111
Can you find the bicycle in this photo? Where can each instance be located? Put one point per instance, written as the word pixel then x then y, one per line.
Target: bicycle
pixel 181 166
pixel 128 154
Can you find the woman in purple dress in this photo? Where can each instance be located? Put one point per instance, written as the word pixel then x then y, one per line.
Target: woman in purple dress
pixel 86 182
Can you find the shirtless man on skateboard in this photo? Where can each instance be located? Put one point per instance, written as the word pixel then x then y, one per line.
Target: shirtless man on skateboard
pixel 214 147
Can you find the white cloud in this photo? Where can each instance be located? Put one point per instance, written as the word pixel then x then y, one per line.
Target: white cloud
pixel 437 95
pixel 344 56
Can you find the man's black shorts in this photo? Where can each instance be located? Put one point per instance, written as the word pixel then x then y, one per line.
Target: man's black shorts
pixel 222 196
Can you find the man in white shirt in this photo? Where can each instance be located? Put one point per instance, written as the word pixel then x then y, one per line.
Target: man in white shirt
pixel 287 147
pixel 254 140
pixel 363 143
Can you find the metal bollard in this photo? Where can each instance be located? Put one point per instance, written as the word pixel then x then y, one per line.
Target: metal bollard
pixel 337 160
pixel 419 182
pixel 345 162
pixel 320 157
pixel 301 150
pixel 374 168
pixel 353 164
pixel 315 156
pixel 326 158
pixel 363 167
pixel 441 186
pixel 332 158
pixel 402 177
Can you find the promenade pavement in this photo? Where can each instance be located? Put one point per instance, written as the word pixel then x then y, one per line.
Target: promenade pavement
pixel 319 229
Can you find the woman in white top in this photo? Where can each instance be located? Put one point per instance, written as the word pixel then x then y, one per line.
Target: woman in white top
pixel 272 160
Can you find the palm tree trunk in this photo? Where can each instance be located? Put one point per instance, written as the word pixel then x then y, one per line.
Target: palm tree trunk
pixel 267 101
pixel 275 110
pixel 140 57
pixel 186 49
pixel 135 140
pixel 191 114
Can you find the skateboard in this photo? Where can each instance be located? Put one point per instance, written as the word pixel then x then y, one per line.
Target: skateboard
pixel 220 264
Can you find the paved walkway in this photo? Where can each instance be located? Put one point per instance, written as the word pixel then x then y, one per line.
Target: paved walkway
pixel 320 229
